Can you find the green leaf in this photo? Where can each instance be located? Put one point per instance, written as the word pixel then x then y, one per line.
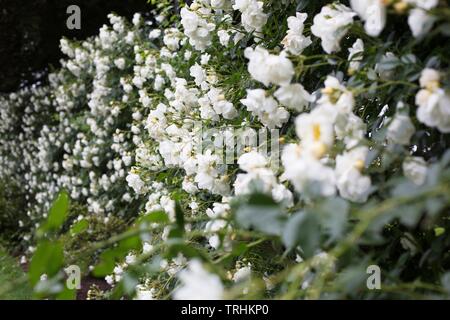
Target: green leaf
pixel 353 278
pixel 48 259
pixel 333 214
pixel 188 250
pixel 154 217
pixel 129 283
pixel 106 264
pixel 434 206
pixel 302 229
pixel 409 215
pixel 11 271
pixel 109 257
pixel 177 230
pixel 67 294
pixel 79 227
pixel 388 63
pixel 262 214
pixel 58 212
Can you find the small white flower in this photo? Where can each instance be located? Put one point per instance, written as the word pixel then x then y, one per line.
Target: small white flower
pixel 253 17
pixel 306 173
pixel 197 29
pixel 424 4
pixel 265 108
pixel 433 102
pixel 224 37
pixel 135 182
pixel 109 280
pixel 373 12
pixel 351 129
pixel 400 129
pixel 420 22
pixel 268 68
pixel 294 41
pixel 252 160
pixel 355 55
pixel 352 185
pixel 207 171
pixel 316 131
pixel 187 54
pixel 143 294
pixel 130 259
pixel 204 59
pixel 120 63
pixel 294 96
pixel 197 72
pixel 198 284
pixel 429 78
pixel 147 248
pixel 154 34
pixel 282 195
pixel 118 270
pixel 336 98
pixel 259 180
pixel 137 18
pixel 331 25
pixel 242 274
pixel 415 169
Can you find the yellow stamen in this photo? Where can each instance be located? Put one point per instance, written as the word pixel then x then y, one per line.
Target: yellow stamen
pixel 359 164
pixel 316 132
pixel 319 149
pixel 327 90
pixel 432 85
pixel 400 7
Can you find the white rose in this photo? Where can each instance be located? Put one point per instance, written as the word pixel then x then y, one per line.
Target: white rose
pixel 269 68
pixel 420 22
pixel 373 12
pixel 293 96
pixel 400 129
pixel 331 25
pixel 198 284
pixel 135 182
pixel 224 37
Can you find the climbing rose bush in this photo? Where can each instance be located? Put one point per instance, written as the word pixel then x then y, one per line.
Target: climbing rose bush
pixel 259 149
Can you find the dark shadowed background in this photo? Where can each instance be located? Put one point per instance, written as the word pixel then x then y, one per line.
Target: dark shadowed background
pixel 30 31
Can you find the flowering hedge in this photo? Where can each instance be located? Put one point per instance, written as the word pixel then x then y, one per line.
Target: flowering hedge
pixel 260 149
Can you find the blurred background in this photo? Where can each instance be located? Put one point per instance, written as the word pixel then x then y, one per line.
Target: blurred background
pixel 30 31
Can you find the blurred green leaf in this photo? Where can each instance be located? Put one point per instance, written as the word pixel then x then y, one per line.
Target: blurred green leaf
pixel 58 212
pixel 67 294
pixel 333 215
pixel 445 280
pixel 79 227
pixel 302 229
pixel 261 213
pixel 48 259
pixel 352 278
pixel 154 217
